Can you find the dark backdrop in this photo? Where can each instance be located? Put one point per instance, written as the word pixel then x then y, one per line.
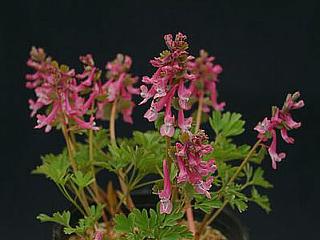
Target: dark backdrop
pixel 267 49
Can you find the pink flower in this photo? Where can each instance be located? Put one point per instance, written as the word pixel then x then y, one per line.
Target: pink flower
pixel 203 187
pixel 191 167
pixel 167 129
pixel 98 235
pixel 85 125
pixel 276 157
pixel 280 120
pixel 119 87
pixel 171 77
pixel 151 114
pixel 183 173
pixel 165 194
pixel 184 95
pixel 184 123
pixel 206 74
pixel 56 88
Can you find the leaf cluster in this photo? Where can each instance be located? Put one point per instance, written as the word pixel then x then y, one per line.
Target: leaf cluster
pixel 83 224
pixel 139 225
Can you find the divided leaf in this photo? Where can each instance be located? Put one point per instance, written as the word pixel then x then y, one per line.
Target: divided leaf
pixel 261 200
pixel 205 204
pixel 259 180
pixel 153 225
pixel 227 124
pixel 54 167
pixel 60 218
pixel 82 180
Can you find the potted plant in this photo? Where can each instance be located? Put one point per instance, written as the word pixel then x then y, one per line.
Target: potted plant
pixel 188 169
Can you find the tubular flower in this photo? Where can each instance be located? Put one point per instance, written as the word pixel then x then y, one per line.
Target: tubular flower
pixel 191 167
pixel 119 87
pixel 165 194
pixel 58 92
pixel 206 73
pixel 281 120
pixel 169 83
pixel 98 235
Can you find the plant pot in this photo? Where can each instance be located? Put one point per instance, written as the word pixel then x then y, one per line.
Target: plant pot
pixel 227 222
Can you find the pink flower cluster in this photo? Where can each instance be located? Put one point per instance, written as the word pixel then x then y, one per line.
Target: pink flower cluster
pixel 169 79
pixel 206 73
pixel 119 87
pixel 281 119
pixel 57 89
pixel 191 166
pixel 68 97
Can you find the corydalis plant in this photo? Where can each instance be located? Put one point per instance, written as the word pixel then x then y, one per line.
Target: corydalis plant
pixel 196 170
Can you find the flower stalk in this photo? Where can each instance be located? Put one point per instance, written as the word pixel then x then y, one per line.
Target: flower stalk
pixel 121 175
pixel 207 221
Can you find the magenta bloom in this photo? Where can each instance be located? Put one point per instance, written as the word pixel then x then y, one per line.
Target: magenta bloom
pixel 206 73
pixel 169 83
pixel 192 168
pixel 281 120
pixel 98 235
pixel 165 194
pixel 65 97
pixel 119 87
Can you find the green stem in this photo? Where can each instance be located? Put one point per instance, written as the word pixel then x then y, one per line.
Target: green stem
pixel 214 216
pixel 112 123
pixel 70 147
pixel 145 184
pixel 120 173
pixel 199 112
pixel 65 193
pixel 95 186
pixel 231 180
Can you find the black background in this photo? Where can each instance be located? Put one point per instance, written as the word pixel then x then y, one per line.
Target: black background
pixel 267 49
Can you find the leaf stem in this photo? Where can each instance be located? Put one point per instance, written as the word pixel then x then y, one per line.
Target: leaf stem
pixel 120 173
pixel 145 183
pixel 199 111
pixel 65 193
pixel 70 147
pixel 70 150
pixel 112 122
pixel 95 186
pixel 204 224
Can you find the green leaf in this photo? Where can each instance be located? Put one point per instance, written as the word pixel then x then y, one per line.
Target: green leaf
pixel 141 225
pixel 224 150
pixel 82 180
pixel 60 218
pixel 236 198
pixel 122 223
pixel 54 167
pixel 261 200
pixel 227 124
pixel 206 204
pixel 87 222
pixel 259 180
